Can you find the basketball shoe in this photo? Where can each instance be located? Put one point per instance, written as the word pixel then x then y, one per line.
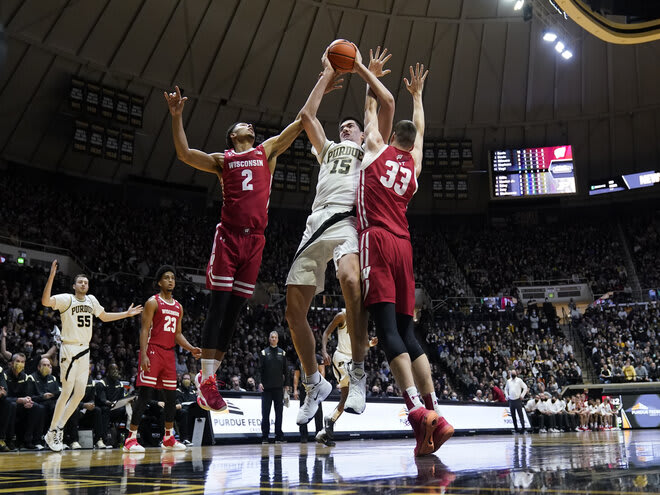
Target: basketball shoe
pixel 53 440
pixel 208 396
pixel 316 394
pixel 444 430
pixel 357 390
pixel 423 423
pixel 171 443
pixel 131 445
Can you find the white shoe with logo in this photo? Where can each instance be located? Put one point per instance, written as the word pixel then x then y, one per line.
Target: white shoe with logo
pixel 53 440
pixel 357 390
pixel 315 395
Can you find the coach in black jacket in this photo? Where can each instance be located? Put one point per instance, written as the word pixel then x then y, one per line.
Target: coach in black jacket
pixel 272 364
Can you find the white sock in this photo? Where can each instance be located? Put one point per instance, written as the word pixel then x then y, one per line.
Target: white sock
pixel 132 434
pixel 313 379
pixel 207 368
pixel 414 397
pixel 216 365
pixel 357 365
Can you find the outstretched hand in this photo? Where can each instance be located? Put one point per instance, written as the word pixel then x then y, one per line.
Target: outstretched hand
pixel 377 62
pixel 175 101
pixel 133 311
pixel 417 78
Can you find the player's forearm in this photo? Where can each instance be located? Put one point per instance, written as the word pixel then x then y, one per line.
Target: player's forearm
pixel 179 137
pixel 418 114
pixel 311 106
pixel 382 94
pixel 181 340
pixel 144 340
pixel 286 138
pixel 108 317
pixel 46 297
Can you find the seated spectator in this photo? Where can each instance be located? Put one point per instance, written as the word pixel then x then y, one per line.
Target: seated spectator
pixel 629 372
pixel 7 414
pixel 44 389
pixel 29 423
pixel 108 391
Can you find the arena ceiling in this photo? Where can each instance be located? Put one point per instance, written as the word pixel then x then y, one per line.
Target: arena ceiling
pixel 493 79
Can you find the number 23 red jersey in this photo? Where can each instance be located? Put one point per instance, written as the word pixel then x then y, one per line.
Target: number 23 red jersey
pixel 164 323
pixel 387 184
pixel 246 181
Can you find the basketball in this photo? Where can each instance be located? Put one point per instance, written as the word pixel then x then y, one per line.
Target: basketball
pixel 341 54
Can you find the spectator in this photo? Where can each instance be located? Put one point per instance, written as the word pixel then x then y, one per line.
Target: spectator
pixel 87 415
pixel 7 414
pixel 44 389
pixel 108 392
pixel 29 415
pixel 273 372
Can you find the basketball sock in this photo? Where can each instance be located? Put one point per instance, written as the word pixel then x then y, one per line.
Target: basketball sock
pixel 335 415
pixel 430 401
pixel 357 365
pixel 312 379
pixel 168 432
pixel 412 398
pixel 132 434
pixel 216 365
pixel 207 368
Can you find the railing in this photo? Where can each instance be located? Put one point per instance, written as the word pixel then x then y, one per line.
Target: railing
pixel 556 281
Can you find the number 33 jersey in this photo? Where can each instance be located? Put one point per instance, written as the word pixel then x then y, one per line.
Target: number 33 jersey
pixel 77 316
pixel 387 184
pixel 338 175
pixel 246 181
pixel 164 323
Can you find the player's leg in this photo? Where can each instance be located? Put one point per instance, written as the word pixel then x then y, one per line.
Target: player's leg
pixel 78 375
pixel 53 436
pixel 145 395
pixel 298 301
pixel 234 308
pixel 169 441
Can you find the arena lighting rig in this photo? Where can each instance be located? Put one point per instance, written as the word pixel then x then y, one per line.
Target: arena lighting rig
pixel 552 17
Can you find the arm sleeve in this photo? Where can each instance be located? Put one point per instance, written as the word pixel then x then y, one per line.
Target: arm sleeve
pixel 62 302
pixel 98 309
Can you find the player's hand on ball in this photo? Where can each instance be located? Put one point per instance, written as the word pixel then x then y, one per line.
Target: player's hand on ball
pixel 377 62
pixel 358 59
pixel 196 352
pixel 145 363
pixel 175 101
pixel 133 311
pixel 335 83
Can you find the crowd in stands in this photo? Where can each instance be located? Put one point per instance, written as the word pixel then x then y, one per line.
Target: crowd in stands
pixel 644 237
pixel 622 341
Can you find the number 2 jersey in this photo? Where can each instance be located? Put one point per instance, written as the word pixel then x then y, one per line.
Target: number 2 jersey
pixel 164 323
pixel 77 316
pixel 338 174
pixel 246 181
pixel 387 184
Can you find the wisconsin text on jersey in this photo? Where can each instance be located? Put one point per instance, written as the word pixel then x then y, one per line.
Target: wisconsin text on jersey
pixel 246 163
pixel 169 312
pixel 340 151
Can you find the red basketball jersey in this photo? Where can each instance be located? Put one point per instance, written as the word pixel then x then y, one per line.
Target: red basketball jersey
pixel 163 325
pixel 246 181
pixel 387 184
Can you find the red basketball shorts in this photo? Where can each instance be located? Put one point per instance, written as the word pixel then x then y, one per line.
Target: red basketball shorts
pixel 387 271
pixel 235 261
pixel 162 369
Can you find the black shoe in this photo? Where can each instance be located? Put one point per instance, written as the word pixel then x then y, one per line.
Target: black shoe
pixel 280 440
pixel 29 446
pixel 3 447
pixel 303 439
pixel 264 441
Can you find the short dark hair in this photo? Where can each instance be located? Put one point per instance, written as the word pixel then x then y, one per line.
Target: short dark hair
pixel 406 132
pixel 75 279
pixel 358 122
pixel 163 270
pixel 230 143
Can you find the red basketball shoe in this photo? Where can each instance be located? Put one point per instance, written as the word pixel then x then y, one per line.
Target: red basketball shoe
pixel 423 423
pixel 208 396
pixel 443 432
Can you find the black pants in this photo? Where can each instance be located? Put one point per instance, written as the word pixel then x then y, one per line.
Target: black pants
pixel 30 422
pixel 109 417
pixel 91 419
pixel 272 396
pixel 318 417
pixel 185 420
pixel 548 421
pixel 7 418
pixel 515 406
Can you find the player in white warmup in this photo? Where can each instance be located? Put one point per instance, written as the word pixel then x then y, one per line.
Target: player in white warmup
pixel 340 358
pixel 331 234
pixel 76 311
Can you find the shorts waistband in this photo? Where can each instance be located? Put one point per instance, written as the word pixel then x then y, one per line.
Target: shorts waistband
pixel 242 230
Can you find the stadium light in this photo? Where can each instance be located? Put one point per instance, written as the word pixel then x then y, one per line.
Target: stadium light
pixel 567 54
pixel 519 4
pixel 549 36
pixel 559 47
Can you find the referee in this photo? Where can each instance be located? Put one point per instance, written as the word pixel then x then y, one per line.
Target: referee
pixel 515 391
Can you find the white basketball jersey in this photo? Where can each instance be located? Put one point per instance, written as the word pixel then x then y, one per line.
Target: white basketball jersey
pixel 338 175
pixel 344 339
pixel 77 317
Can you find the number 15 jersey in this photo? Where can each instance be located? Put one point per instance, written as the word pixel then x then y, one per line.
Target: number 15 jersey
pixel 338 175
pixel 164 323
pixel 387 184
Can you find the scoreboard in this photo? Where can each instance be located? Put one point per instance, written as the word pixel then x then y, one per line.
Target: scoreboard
pixel 532 172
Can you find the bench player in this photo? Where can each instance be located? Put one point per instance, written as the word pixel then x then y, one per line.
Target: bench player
pixel 76 312
pixel 161 332
pixel 245 173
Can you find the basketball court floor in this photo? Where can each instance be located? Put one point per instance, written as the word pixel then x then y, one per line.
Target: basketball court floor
pixel 574 463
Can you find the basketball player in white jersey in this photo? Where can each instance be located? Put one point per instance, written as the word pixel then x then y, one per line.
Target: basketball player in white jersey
pixel 76 311
pixel 340 358
pixel 330 233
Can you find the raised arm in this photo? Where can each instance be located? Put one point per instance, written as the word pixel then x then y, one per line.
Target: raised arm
pixel 277 145
pixel 416 86
pixel 195 158
pixel 376 92
pixel 46 298
pixel 339 319
pixel 386 110
pixel 131 311
pixel 3 345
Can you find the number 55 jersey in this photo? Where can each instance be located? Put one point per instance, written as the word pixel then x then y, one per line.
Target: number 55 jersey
pixel 160 347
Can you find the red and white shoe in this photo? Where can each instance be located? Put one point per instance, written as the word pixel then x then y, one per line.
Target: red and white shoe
pixel 208 396
pixel 131 445
pixel 424 423
pixel 171 443
pixel 442 433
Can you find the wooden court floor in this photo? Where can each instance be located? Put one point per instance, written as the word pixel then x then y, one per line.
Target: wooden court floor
pixel 574 463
